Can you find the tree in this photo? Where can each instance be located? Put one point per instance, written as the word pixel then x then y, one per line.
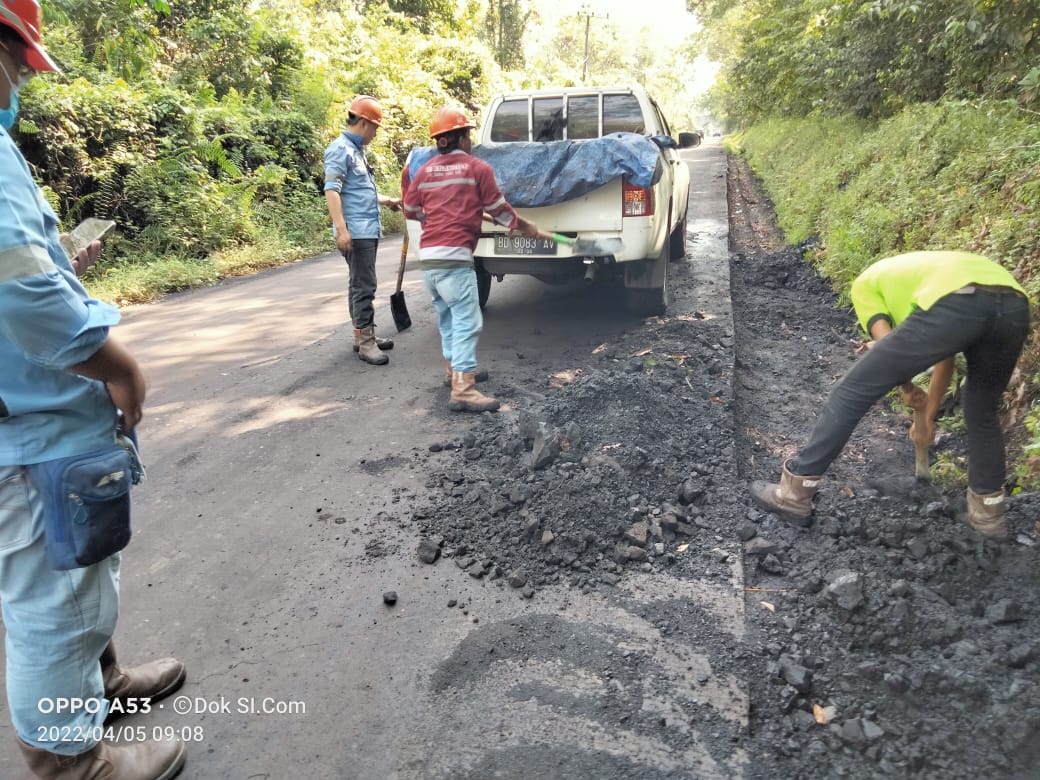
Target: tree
pixel 868 57
pixel 504 26
pixel 429 16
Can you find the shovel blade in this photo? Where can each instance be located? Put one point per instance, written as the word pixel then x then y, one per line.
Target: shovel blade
pixel 400 311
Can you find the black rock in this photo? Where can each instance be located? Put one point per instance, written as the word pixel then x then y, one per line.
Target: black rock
pixel 1004 611
pixel 796 675
pixel 429 551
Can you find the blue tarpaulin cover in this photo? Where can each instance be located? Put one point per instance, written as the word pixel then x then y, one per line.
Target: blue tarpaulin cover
pixel 541 174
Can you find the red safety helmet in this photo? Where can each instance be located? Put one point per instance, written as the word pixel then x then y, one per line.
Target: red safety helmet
pixel 449 119
pixel 367 108
pixel 23 16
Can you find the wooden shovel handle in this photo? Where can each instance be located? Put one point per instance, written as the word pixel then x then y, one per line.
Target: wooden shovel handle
pixel 917 400
pixel 404 257
pixel 921 470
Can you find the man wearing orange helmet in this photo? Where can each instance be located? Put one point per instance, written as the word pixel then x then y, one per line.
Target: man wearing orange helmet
pixel 63 382
pixel 449 195
pixel 354 201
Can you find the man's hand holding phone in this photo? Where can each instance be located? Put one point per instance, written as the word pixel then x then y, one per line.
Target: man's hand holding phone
pixel 83 244
pixel 85 258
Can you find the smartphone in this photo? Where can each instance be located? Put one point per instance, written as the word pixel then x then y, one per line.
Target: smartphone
pixel 85 233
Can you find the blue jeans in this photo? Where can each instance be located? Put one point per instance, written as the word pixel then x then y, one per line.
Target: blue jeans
pixel 455 299
pixel 988 327
pixel 58 623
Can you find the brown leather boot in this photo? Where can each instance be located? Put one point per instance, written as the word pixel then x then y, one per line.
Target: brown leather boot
pixel 368 350
pixel 383 344
pixel 481 374
pixel 155 680
pixel 465 397
pixel 986 514
pixel 792 497
pixel 148 760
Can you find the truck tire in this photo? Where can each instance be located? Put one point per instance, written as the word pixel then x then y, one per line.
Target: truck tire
pixel 483 284
pixel 650 301
pixel 677 241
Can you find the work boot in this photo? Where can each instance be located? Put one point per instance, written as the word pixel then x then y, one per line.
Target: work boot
pixel 792 497
pixel 368 350
pixel 149 760
pixel 986 513
pixel 383 344
pixel 480 375
pixel 154 681
pixel 465 397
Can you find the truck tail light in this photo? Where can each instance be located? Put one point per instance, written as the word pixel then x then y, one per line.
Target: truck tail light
pixel 636 201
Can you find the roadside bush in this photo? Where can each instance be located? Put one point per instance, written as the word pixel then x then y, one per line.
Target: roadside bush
pixel 82 138
pixel 184 211
pixel 293 142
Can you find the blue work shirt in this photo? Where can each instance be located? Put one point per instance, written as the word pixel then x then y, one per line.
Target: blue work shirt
pixel 348 173
pixel 48 322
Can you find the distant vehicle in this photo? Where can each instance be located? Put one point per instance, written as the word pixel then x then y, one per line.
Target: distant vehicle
pixel 613 177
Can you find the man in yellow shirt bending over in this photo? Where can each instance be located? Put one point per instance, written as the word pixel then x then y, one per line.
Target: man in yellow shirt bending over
pixel 921 309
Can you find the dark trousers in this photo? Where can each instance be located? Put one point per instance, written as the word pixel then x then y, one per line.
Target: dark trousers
pixel 988 327
pixel 361 260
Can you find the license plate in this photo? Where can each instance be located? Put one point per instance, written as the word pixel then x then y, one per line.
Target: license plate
pixel 523 245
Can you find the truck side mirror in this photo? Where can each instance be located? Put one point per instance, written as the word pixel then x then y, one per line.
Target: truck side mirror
pixel 689 140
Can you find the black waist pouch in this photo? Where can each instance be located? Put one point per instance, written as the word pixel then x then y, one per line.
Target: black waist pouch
pixel 86 502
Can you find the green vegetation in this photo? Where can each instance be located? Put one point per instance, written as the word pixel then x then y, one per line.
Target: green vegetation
pixel 867 58
pixel 890 126
pixel 199 125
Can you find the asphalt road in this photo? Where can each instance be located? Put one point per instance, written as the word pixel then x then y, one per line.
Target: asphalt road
pixel 280 471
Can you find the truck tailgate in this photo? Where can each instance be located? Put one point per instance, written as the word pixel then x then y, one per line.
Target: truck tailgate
pixel 599 210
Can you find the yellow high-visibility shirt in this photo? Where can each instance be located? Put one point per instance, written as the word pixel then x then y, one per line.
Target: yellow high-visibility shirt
pixel 899 285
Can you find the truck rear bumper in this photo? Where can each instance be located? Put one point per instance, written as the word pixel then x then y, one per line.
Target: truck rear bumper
pixel 637 243
pixel 543 267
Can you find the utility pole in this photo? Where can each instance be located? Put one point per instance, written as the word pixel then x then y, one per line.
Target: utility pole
pixel 586 11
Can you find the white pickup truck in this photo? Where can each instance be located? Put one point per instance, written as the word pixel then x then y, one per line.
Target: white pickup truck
pixel 649 218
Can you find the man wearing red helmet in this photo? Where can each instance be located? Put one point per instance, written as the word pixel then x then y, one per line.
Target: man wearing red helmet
pixel 65 380
pixel 449 195
pixel 354 201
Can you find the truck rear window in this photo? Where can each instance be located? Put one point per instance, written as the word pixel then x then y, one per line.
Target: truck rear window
pixel 510 122
pixel 571 117
pixel 583 117
pixel 622 114
pixel 548 119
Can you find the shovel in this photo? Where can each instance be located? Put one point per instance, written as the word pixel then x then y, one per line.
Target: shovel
pixel 397 305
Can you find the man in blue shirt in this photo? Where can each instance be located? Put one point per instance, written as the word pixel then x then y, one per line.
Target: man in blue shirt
pixel 63 380
pixel 354 201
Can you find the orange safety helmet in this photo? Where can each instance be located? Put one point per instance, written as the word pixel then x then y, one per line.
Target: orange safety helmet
pixel 367 108
pixel 23 16
pixel 449 119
